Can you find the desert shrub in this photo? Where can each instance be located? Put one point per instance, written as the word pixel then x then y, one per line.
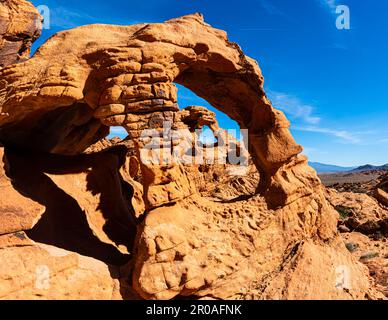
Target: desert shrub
pixel 369 255
pixel 344 212
pixel 351 246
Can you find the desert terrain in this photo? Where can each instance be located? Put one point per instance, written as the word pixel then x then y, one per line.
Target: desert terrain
pixel 361 200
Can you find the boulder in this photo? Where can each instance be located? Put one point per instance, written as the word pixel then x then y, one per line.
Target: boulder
pixel 36 271
pixel 381 196
pixel 360 212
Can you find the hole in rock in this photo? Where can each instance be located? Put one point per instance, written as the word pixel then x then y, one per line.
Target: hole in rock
pixel 62 130
pixel 206 137
pixel 186 98
pixel 117 132
pixel 231 175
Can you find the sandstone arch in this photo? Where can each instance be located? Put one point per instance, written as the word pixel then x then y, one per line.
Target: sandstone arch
pixel 83 80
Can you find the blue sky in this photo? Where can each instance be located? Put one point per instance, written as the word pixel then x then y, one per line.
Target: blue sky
pixel 332 84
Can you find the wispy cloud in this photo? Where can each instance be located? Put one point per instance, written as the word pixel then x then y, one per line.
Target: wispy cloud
pixel 294 107
pixel 330 4
pixel 310 151
pixel 262 29
pixel 270 8
pixel 305 119
pixel 62 17
pixel 338 46
pixel 186 97
pixel 344 135
pixel 65 18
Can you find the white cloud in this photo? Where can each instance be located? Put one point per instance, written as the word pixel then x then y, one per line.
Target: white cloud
pixel 331 4
pixel 270 8
pixel 310 151
pixel 346 136
pixel 338 46
pixel 186 97
pixel 64 18
pixel 294 107
pixel 306 120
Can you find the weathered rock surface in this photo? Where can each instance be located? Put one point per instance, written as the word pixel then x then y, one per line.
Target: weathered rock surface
pixel 243 251
pixel 365 233
pixel 104 222
pixel 20 25
pixel 307 276
pixel 383 182
pixel 31 270
pixel 360 212
pixel 72 218
pixel 374 254
pixel 381 196
pixel 17 211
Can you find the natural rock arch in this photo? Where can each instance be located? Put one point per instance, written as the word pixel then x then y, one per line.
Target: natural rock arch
pixel 123 75
pixel 83 80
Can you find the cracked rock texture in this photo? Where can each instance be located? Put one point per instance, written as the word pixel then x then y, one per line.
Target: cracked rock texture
pixel 364 227
pixel 82 217
pixel 20 25
pixel 36 271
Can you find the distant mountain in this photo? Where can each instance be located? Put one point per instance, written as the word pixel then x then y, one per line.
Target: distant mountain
pixel 329 168
pixel 369 167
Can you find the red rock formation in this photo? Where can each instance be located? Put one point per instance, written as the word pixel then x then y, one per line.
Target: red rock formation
pixel 20 25
pixel 87 72
pixel 381 190
pixel 280 243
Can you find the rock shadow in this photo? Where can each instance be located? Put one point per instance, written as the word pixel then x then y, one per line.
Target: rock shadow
pixel 64 223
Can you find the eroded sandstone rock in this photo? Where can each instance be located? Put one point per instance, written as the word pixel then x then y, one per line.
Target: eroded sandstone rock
pixel 383 183
pixel 279 242
pixel 244 251
pixel 381 196
pixel 67 224
pixel 17 211
pixel 88 71
pixel 360 212
pixel 373 253
pixel 20 25
pixel 86 203
pixel 35 271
